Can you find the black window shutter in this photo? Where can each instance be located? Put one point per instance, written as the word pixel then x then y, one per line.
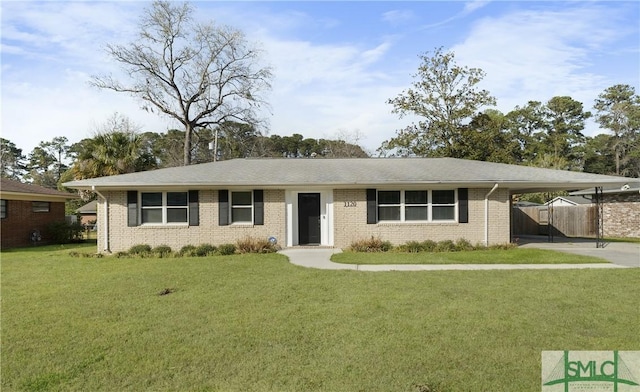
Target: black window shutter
pixel 132 208
pixel 372 207
pixel 223 207
pixel 194 209
pixel 463 205
pixel 258 207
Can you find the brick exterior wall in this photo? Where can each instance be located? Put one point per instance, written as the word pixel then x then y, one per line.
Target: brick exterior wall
pixel 21 220
pixel 350 223
pixel 122 237
pixel 621 215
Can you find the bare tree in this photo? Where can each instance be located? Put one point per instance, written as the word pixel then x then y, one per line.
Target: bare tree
pixel 198 74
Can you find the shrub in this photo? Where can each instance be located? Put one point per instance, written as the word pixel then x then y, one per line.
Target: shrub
pixel 445 246
pixel 429 245
pixel 462 244
pixel 140 250
pixel 86 255
pixel 371 245
pixel 64 233
pixel 187 251
pixel 227 249
pixel 255 245
pixel 162 250
pixel 205 250
pixel 411 247
pixel 121 255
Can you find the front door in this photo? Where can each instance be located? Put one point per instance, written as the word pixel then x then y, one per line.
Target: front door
pixel 308 218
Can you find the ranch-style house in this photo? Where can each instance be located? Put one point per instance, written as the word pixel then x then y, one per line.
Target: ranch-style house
pixel 326 202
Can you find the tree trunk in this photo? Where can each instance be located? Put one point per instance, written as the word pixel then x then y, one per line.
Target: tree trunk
pixel 188 130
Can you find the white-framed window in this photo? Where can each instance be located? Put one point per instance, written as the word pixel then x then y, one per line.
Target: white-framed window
pixel 416 205
pixel 3 208
pixel 443 205
pixel 164 207
pixel 242 207
pixel 40 206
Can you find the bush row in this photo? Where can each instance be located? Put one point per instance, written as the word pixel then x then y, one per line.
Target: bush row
pixel 377 245
pixel 246 245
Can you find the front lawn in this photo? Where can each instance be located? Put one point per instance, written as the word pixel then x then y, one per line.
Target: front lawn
pixel 258 323
pixel 488 256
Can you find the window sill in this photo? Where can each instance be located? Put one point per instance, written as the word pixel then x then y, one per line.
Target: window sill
pixel 417 223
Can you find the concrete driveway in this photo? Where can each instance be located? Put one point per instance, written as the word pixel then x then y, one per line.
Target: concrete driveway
pixel 621 253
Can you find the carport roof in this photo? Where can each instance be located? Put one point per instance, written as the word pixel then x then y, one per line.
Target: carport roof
pixel 352 173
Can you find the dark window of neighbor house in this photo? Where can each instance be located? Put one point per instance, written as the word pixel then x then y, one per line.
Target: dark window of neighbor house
pixel 416 205
pixel 164 207
pixel 241 207
pixel 40 206
pixel 3 208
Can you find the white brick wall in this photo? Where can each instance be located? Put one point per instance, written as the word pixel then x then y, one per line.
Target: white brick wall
pixel 122 237
pixel 350 223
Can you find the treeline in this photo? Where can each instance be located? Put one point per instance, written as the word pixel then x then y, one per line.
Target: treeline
pixel 121 148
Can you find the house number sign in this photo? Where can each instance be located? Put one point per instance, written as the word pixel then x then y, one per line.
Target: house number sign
pixel 350 204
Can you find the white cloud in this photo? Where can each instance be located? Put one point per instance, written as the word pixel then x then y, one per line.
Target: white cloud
pixel 395 17
pixel 535 55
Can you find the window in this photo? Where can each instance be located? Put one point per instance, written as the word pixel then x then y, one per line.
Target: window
pixel 241 207
pixel 3 208
pixel 40 206
pixel 389 205
pixel 416 205
pixel 164 207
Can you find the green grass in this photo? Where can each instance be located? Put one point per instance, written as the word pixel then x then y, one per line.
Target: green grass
pixel 258 323
pixel 510 256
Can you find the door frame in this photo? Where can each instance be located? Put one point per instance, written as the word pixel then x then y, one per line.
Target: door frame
pixel 326 215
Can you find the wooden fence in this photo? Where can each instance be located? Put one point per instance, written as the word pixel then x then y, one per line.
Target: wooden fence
pixel 568 221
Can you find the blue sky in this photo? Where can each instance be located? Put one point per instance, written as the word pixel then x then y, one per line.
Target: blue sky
pixel 335 63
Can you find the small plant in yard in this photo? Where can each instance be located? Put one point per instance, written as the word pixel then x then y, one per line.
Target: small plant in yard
pixel 463 244
pixel 410 247
pixel 162 251
pixel 446 246
pixel 64 233
pixel 140 250
pixel 255 245
pixel 205 250
pixel 187 251
pixel 371 245
pixel 83 255
pixel 226 249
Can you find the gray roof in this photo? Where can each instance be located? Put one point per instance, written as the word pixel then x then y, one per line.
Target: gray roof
pixel 575 200
pixel 632 186
pixel 350 173
pixel 11 188
pixel 89 208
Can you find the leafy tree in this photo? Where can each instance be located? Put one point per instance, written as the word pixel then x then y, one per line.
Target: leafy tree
pixel 486 138
pixel 618 110
pixel 198 74
pixel 47 162
pixel 445 95
pixel 11 160
pixel 527 127
pixel 599 156
pixel 117 148
pixel 564 119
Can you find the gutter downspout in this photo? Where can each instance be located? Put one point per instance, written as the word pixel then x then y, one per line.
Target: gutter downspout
pixel 486 214
pixel 106 218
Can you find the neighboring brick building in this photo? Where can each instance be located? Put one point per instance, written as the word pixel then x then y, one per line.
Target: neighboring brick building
pixel 328 202
pixel 26 209
pixel 620 210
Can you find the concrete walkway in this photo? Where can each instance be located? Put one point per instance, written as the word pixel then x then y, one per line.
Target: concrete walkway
pixel 621 255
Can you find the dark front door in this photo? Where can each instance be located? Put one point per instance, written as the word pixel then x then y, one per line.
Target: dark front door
pixel 308 218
